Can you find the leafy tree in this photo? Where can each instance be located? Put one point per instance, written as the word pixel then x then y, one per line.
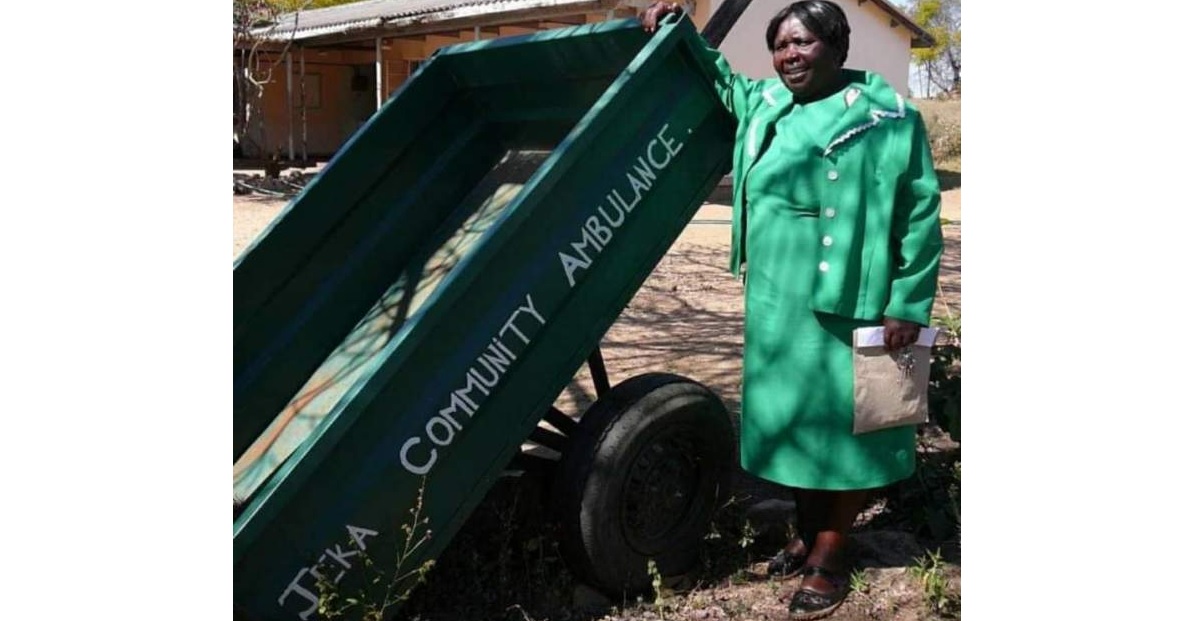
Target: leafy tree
pixel 263 32
pixel 941 65
pixel 256 26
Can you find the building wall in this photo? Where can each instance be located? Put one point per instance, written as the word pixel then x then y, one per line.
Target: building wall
pixel 335 103
pixel 326 118
pixel 874 44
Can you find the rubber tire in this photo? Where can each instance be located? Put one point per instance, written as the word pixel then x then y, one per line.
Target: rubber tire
pixel 594 476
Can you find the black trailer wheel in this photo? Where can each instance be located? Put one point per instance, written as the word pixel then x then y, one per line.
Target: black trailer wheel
pixel 640 480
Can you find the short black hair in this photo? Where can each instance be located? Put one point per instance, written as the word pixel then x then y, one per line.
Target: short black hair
pixel 825 20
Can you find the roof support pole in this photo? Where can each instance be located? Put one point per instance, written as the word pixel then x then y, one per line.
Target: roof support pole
pixel 477 33
pixel 290 108
pixel 303 111
pixel 378 72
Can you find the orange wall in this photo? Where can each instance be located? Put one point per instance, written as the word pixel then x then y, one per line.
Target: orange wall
pixel 334 113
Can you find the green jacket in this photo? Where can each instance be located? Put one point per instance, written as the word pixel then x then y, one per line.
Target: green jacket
pixel 883 207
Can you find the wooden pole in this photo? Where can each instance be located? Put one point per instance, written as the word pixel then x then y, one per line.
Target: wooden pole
pixel 378 72
pixel 303 112
pixel 291 130
pixel 722 21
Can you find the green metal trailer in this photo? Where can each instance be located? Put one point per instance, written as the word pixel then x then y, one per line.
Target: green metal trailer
pixel 407 321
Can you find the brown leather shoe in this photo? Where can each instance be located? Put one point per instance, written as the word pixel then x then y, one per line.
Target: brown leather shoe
pixel 807 604
pixel 785 564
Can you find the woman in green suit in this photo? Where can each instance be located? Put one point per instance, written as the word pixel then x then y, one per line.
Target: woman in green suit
pixel 835 227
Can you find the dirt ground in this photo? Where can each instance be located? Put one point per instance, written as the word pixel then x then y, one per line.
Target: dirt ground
pixel 687 319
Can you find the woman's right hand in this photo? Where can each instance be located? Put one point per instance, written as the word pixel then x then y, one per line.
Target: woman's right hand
pixel 655 12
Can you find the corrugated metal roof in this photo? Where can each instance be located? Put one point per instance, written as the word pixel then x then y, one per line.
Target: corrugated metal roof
pixel 920 35
pixel 372 13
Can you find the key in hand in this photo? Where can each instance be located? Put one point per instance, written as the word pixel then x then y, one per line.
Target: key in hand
pixel 905 362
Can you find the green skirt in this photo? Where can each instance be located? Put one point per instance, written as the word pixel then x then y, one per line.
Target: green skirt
pixel 798 380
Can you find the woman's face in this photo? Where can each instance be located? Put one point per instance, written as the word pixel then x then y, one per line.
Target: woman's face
pixel 805 64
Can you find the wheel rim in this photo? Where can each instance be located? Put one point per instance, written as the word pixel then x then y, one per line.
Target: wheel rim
pixel 661 490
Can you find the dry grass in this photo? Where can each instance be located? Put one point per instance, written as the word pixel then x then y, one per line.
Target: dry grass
pixel 943 120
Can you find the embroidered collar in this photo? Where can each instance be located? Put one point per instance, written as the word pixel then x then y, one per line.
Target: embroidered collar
pixel 877 116
pixel 869 101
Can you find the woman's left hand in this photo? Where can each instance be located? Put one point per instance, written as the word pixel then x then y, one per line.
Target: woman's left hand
pixel 898 333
